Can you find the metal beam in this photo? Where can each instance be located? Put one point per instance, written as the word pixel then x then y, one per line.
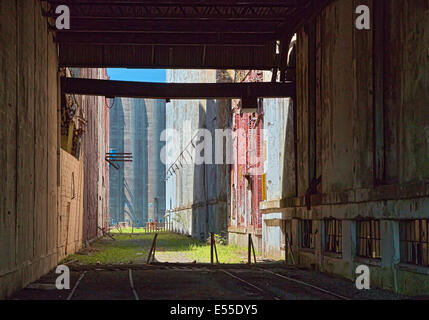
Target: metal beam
pixel 172 57
pixel 185 3
pixel 222 39
pixel 176 26
pixel 185 91
pixel 189 10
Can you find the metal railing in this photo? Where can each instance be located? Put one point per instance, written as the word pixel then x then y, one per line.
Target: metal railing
pixel 152 227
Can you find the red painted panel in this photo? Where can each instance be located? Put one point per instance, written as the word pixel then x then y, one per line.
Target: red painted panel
pixel 246 173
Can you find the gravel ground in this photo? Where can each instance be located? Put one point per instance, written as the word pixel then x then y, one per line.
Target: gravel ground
pixel 200 282
pixel 338 285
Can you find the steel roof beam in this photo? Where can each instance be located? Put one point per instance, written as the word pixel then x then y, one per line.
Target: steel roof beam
pixel 222 39
pixel 178 12
pixel 177 26
pixel 185 3
pixel 171 57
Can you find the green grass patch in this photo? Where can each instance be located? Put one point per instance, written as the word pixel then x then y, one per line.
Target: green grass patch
pixel 171 247
pixel 226 254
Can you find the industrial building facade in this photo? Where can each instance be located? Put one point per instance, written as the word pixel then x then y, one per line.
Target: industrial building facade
pixel 343 171
pixel 84 174
pixel 247 179
pixel 343 176
pixel 196 193
pixel 362 148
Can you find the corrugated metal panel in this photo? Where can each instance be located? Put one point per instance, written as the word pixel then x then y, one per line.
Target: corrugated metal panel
pixel 247 170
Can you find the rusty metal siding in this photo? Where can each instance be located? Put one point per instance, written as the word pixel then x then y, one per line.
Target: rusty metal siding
pixel 247 169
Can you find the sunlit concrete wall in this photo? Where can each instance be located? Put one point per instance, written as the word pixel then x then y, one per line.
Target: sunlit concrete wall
pixel 196 195
pixel 155 183
pixel 82 209
pixel 137 189
pixel 116 176
pixel 70 205
pixel 35 233
pixel 30 146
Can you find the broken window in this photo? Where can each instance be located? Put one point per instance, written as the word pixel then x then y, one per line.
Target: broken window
pixel 307 235
pixel 368 238
pixel 333 236
pixel 414 242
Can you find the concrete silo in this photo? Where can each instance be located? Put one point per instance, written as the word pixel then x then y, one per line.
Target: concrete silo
pixel 141 192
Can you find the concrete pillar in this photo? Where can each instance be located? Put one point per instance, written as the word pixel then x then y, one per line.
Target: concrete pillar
pixel 349 246
pixel 295 238
pixel 390 252
pixel 264 235
pixel 318 249
pixel 389 232
pixel 349 240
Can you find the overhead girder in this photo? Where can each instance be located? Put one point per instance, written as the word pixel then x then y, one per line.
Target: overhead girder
pixel 197 34
pixel 191 39
pixel 217 10
pixel 185 91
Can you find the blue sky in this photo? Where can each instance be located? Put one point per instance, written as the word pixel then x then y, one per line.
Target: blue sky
pixel 146 75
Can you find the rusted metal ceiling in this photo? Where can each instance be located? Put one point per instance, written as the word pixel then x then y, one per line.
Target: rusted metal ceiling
pixel 192 34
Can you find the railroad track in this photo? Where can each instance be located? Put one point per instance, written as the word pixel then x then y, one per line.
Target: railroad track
pixel 308 285
pixel 302 283
pixel 226 269
pixel 265 292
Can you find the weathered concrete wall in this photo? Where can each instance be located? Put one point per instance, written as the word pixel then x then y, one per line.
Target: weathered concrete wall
pixel 103 146
pixel 279 166
pixel 29 136
pixel 406 91
pixel 346 144
pixel 196 195
pixel 40 221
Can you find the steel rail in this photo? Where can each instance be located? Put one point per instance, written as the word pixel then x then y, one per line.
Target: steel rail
pixel 307 285
pixel 250 284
